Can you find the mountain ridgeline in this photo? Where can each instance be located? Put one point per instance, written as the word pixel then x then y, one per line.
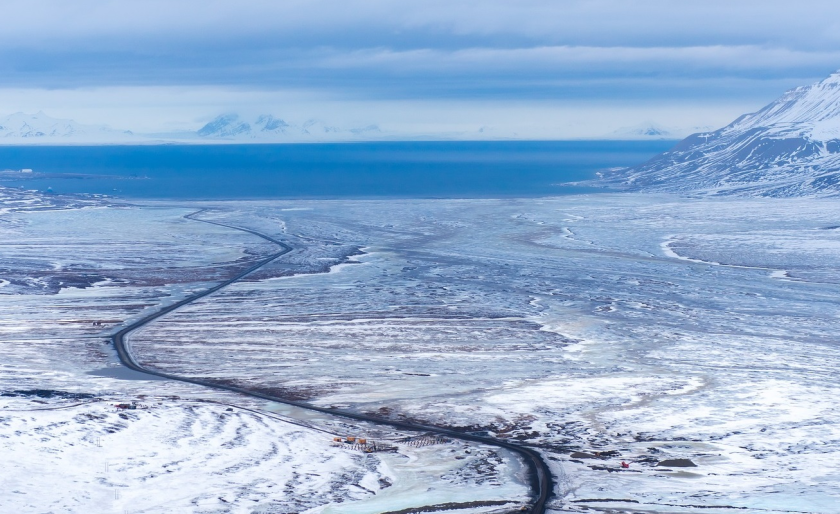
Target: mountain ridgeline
pixel 269 128
pixel 39 126
pixel 22 128
pixel 790 148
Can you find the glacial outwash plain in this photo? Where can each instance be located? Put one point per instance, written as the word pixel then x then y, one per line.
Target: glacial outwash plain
pixel 593 329
pixel 672 349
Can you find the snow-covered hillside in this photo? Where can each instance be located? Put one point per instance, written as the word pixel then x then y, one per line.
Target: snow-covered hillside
pixel 791 147
pixel 28 127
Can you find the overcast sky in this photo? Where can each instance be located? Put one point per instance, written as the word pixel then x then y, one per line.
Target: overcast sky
pixel 524 68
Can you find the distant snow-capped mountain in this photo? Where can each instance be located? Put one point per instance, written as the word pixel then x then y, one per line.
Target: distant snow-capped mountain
pixel 23 129
pixel 42 127
pixel 647 130
pixel 791 147
pixel 268 128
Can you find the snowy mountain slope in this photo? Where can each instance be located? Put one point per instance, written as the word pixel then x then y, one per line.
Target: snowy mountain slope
pixel 791 147
pixel 42 127
pixel 224 126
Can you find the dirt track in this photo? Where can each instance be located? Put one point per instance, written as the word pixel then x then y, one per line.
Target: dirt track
pixel 540 478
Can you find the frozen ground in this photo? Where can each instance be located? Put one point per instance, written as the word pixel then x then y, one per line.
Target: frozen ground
pixel 71 270
pixel 598 329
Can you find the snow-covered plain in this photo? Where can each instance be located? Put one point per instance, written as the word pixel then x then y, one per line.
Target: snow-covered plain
pixel 645 328
pixel 597 329
pixel 75 269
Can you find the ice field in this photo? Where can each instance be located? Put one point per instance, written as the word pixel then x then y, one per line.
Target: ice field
pixel 596 329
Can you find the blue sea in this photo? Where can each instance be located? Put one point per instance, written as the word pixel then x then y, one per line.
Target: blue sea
pixel 342 170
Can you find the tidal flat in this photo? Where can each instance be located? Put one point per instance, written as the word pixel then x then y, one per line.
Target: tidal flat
pixel 648 329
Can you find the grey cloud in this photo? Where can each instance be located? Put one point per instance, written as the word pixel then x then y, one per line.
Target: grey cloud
pixel 736 60
pixel 417 73
pixel 429 49
pixel 809 24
